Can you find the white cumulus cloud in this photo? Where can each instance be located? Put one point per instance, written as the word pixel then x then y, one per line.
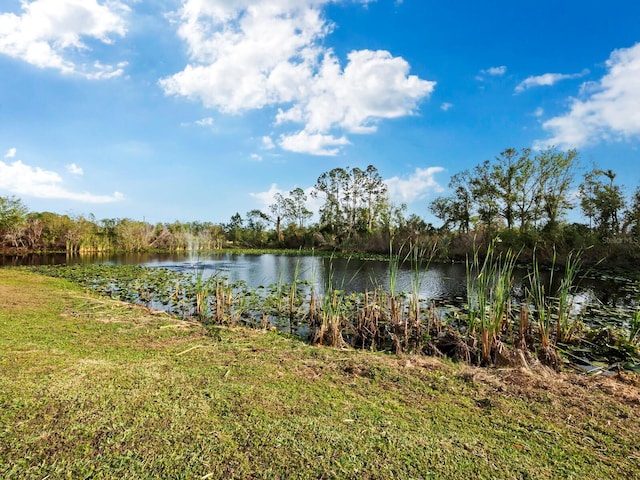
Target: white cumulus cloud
pixel 416 186
pixel 267 143
pixel 48 33
pixel 205 122
pixel 10 153
pixel 313 143
pixel 492 72
pixel 267 197
pixel 546 80
pixel 248 55
pixel 73 169
pixel 26 180
pixel 496 71
pixel 607 110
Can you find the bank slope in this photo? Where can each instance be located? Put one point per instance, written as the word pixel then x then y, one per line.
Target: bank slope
pixel 96 388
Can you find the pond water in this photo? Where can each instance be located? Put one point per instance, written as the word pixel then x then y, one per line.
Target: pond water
pixel 253 290
pixel 445 282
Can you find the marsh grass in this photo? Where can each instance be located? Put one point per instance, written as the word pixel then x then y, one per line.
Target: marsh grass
pixel 488 330
pixel 334 312
pixel 203 289
pixel 537 292
pixel 397 324
pixel 558 307
pixel 489 284
pixel 420 326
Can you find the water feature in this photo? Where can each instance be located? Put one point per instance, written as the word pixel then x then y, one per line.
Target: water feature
pixel 374 304
pixel 445 282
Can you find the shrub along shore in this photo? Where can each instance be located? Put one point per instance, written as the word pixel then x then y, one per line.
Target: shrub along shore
pixel 96 388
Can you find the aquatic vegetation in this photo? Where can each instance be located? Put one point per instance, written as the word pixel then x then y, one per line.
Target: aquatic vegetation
pixel 489 283
pixel 500 323
pixel 538 295
pixel 568 321
pixel 202 290
pixel 558 307
pixel 634 327
pixel 419 258
pixel 332 315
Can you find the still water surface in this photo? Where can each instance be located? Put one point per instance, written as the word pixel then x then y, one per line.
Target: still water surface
pixel 445 282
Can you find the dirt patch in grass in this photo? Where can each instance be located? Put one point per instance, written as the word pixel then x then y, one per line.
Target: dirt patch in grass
pixel 541 384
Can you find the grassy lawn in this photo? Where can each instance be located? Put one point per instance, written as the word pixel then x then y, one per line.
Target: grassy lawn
pixel 92 388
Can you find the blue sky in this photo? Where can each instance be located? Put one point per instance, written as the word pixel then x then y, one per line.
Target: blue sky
pixel 197 109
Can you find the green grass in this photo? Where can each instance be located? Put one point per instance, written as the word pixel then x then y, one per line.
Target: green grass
pixel 93 388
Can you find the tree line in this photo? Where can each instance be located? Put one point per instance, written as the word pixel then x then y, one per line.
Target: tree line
pixel 521 196
pixel 356 205
pixel 526 191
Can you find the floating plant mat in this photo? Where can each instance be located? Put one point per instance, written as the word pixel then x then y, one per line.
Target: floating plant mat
pixel 606 343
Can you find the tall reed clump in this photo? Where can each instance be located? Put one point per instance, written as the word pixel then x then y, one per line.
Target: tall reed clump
pixel 333 314
pixel 295 298
pixel 418 331
pixel 398 326
pixel 548 307
pixel 202 284
pixel 203 288
pixel 489 283
pixel 568 321
pixel 313 300
pixel 223 299
pixel 402 311
pixel 367 330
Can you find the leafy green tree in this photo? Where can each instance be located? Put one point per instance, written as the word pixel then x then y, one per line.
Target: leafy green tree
pixel 632 216
pixel 55 228
pixel 81 234
pixel 257 227
pixel 524 190
pixel 505 178
pixel 516 188
pixel 12 213
pixel 461 207
pixel 354 200
pixel 556 172
pixel 234 228
pixel 442 208
pixel 289 209
pixel 107 232
pixel 602 201
pixel 332 186
pixel 416 227
pixel 133 235
pixel 392 218
pixel 484 193
pixel 374 192
pixel 296 207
